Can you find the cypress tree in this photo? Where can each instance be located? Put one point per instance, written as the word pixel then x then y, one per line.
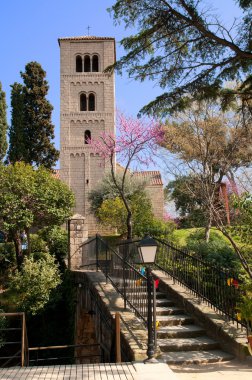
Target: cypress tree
pixel 37 126
pixel 3 124
pixel 17 148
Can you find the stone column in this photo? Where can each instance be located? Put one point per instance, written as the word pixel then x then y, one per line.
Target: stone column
pixel 77 234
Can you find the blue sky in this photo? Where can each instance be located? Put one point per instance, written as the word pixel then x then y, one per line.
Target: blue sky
pixel 29 31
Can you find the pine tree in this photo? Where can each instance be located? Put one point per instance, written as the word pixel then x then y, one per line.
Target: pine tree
pixel 37 126
pixel 3 124
pixel 17 148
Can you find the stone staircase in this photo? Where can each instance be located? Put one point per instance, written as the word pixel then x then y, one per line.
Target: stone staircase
pixel 180 340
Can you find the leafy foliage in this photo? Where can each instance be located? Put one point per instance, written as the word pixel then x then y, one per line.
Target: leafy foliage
pixel 31 129
pixel 112 212
pixel 243 207
pixel 187 202
pixel 3 124
pixel 17 144
pixel 2 326
pixel 31 287
pixel 57 243
pixel 135 143
pixel 31 198
pixel 217 251
pixel 186 48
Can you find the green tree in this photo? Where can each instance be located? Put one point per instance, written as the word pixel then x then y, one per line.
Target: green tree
pixel 184 47
pixel 187 203
pixel 32 286
pixel 3 124
pixel 210 145
pixel 17 147
pixel 31 198
pixel 31 120
pixel 112 212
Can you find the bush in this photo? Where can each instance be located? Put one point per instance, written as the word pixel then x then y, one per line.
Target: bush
pixel 216 251
pixel 57 243
pixel 7 258
pixel 31 287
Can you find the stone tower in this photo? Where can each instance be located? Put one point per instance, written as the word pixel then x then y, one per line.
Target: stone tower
pixel 87 108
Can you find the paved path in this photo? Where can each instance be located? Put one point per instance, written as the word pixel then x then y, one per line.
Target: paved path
pixel 233 370
pixel 125 371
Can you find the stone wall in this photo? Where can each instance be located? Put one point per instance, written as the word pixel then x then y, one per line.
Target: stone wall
pixel 80 169
pixel 100 301
pixel 77 234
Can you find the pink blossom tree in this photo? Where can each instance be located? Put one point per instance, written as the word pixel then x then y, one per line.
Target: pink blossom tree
pixel 135 144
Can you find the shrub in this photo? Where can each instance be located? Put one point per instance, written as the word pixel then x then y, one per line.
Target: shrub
pixel 31 287
pixel 57 243
pixel 216 251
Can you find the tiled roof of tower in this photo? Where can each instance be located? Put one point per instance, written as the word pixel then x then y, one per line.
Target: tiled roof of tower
pixel 152 177
pixel 82 38
pixel 56 173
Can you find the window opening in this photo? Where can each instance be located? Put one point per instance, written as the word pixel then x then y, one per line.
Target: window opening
pixel 87 136
pixel 95 63
pixel 91 102
pixel 83 102
pixel 78 64
pixel 87 64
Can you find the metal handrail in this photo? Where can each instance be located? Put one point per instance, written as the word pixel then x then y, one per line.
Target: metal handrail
pixel 205 280
pixel 126 279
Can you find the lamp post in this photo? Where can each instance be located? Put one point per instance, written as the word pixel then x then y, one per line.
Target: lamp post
pixel 147 249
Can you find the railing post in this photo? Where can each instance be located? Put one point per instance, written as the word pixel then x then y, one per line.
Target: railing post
pixel 23 341
pixel 150 287
pixel 154 317
pixel 124 279
pixel 118 338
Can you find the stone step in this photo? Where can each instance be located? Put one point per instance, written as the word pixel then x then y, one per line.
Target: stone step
pixel 164 302
pixel 201 343
pixel 140 294
pixel 174 320
pixel 195 357
pixel 180 331
pixel 163 310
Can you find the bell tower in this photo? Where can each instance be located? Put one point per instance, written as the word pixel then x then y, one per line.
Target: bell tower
pixel 87 108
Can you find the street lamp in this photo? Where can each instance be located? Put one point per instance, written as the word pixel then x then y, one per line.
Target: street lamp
pixel 147 249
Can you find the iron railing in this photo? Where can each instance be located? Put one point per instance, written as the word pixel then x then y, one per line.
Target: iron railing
pixel 126 279
pixel 217 286
pixel 67 354
pixel 14 346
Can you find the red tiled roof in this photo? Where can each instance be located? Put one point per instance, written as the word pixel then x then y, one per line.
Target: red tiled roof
pixel 56 173
pixel 152 177
pixel 82 38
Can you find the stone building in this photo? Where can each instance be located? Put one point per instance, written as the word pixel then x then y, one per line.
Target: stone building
pixel 87 108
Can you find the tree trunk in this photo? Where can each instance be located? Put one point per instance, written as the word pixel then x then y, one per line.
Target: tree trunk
pixel 208 229
pixel 18 248
pixel 242 259
pixel 27 231
pixel 129 225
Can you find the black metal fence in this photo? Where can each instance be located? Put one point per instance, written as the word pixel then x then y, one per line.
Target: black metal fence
pixel 218 287
pixel 128 280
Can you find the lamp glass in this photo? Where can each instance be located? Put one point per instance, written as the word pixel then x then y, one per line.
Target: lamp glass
pixel 148 254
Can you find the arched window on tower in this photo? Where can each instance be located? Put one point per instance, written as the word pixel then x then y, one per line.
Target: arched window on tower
pixel 83 102
pixel 87 137
pixel 91 102
pixel 87 64
pixel 95 63
pixel 78 64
